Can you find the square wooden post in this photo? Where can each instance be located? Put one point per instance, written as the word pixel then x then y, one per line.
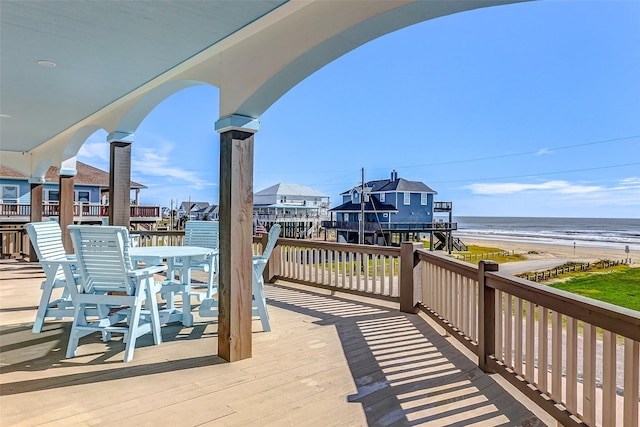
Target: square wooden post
pixel 120 183
pixel 486 315
pixel 65 205
pixel 408 291
pixel 35 214
pixel 236 238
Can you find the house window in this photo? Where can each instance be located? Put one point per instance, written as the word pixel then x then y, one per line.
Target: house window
pixel 407 198
pixel 423 199
pixel 10 194
pixel 51 196
pixel 381 197
pixel 82 196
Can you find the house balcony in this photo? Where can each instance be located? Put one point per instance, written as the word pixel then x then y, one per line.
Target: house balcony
pixel 346 348
pixel 404 227
pixel 82 213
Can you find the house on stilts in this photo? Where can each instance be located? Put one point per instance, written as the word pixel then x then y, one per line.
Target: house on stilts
pixel 390 211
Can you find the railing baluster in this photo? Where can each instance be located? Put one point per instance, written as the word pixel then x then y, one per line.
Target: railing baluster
pixel 571 401
pixel 530 338
pixel 508 330
pixel 518 331
pixel 500 325
pixel 631 379
pixel 365 267
pixel 543 348
pixel 589 404
pixel 609 379
pixel 556 356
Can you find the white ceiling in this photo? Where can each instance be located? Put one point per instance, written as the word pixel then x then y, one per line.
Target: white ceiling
pixel 103 50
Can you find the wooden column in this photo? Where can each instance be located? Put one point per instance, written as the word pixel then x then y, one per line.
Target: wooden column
pixel 236 229
pixel 120 183
pixel 486 316
pixel 65 187
pixel 36 211
pixel 408 262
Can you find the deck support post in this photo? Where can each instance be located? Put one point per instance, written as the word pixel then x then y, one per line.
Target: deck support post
pixel 65 202
pixel 35 214
pixel 120 178
pixel 236 236
pixel 486 316
pixel 409 293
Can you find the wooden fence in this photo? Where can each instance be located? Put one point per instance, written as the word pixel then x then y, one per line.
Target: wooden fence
pixel 539 276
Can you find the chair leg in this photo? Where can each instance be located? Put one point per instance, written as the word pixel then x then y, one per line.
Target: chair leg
pixel 47 289
pixel 132 333
pixel 261 305
pixel 74 335
pixel 152 306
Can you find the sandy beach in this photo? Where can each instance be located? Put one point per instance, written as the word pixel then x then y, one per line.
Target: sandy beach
pixel 556 251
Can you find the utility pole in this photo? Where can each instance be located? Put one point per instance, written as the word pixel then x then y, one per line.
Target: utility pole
pixel 361 234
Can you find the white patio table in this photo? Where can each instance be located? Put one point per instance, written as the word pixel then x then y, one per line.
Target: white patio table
pixel 187 254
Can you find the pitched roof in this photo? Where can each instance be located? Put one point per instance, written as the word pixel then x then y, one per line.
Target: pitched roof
pixel 399 184
pixel 86 175
pixel 188 206
pixel 290 190
pixel 373 205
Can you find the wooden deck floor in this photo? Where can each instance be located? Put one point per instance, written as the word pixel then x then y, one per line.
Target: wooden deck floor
pixel 329 361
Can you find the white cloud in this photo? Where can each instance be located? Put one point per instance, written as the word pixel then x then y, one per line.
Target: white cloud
pixel 94 150
pixel 543 151
pixel 562 187
pixel 631 182
pixel 158 162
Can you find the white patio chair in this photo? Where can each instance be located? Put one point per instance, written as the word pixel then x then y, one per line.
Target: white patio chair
pixel 46 238
pixel 209 306
pixel 108 280
pixel 204 234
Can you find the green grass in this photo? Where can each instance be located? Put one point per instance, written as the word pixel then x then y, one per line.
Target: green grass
pixel 622 287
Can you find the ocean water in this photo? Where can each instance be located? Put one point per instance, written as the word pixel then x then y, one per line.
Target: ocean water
pixel 597 232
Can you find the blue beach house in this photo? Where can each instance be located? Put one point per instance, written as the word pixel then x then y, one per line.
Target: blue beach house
pixel 389 211
pixel 90 198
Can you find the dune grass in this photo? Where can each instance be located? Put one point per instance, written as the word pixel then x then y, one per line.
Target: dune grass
pixel 480 250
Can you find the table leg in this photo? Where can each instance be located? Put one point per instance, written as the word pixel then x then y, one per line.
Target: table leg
pixel 187 316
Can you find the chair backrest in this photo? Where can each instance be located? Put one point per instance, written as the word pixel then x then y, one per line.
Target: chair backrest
pixel 274 233
pixel 103 258
pixel 46 238
pixel 202 233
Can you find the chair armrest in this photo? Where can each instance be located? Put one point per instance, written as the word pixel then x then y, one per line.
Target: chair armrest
pixel 147 271
pixel 259 261
pixel 58 262
pixel 71 257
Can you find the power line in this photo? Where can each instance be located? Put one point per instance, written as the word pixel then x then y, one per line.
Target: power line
pixel 538 174
pixel 524 153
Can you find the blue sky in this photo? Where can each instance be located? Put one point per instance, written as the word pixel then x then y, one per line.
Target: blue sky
pixel 530 109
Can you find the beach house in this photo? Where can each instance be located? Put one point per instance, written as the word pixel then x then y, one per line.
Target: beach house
pixel 391 210
pixel 297 208
pixel 90 197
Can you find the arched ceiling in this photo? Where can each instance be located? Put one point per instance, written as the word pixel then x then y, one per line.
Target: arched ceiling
pixel 110 56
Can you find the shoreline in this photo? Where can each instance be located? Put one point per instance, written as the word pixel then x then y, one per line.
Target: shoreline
pixel 551 250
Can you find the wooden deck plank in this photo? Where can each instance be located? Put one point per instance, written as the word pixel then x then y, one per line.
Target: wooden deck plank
pixel 328 361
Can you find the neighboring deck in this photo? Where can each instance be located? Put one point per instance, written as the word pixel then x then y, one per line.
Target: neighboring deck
pixel 329 361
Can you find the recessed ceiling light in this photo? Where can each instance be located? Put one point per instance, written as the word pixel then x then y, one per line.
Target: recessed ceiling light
pixel 48 64
pixel 4 116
